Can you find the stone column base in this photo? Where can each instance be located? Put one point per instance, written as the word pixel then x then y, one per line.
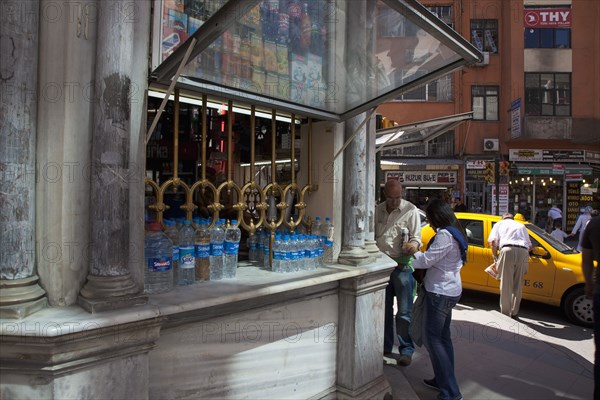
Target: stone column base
pixel 21 297
pixel 103 293
pixel 372 249
pixel 355 256
pixel 377 389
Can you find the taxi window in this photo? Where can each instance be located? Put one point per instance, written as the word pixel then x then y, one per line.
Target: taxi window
pixel 474 230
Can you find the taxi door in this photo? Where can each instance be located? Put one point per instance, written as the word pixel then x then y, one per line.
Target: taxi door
pixel 539 279
pixel 478 255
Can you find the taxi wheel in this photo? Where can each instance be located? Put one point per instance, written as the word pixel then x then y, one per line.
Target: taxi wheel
pixel 578 308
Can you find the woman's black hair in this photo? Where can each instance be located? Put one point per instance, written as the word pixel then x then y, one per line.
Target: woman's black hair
pixel 440 214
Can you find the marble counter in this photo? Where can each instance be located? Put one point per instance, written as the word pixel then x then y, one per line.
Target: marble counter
pixel 308 334
pixel 251 282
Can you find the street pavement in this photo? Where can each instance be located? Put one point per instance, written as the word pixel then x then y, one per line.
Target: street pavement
pixel 539 356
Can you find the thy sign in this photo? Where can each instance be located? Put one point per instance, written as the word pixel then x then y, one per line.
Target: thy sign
pixel 547 17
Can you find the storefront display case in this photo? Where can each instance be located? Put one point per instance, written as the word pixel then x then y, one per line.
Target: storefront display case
pixel 307 57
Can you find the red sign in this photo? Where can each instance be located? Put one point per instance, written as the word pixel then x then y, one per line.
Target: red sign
pixel 547 17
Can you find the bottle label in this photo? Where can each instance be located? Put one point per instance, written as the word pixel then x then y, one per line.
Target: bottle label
pixel 202 250
pixel 312 253
pixel 175 253
pixel 231 248
pixel 216 249
pixel 253 246
pixel 186 254
pixel 159 264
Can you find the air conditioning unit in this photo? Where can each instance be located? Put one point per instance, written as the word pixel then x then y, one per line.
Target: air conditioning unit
pixel 485 61
pixel 491 144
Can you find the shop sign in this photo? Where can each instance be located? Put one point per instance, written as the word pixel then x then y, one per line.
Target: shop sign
pixel 573 203
pixel 547 17
pixel 515 118
pixel 423 177
pixel 475 164
pixel 592 156
pixel 553 156
pixel 475 175
pixel 574 177
pixel 503 199
pixel 538 171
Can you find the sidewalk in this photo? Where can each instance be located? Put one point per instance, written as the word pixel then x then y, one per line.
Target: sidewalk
pixel 539 356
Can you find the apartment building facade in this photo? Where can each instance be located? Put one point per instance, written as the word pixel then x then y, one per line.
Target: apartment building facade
pixel 532 139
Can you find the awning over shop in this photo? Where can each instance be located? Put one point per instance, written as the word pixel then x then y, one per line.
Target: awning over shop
pixel 326 59
pixel 418 131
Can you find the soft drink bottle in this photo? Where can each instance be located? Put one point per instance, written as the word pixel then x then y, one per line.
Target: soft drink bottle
pixel 217 239
pixel 202 244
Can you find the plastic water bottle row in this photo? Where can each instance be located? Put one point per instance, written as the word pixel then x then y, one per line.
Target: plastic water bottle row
pixel 190 254
pixel 291 251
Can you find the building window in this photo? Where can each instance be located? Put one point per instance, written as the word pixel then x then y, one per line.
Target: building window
pixel 444 13
pixel 548 94
pixel 547 38
pixel 438 90
pixel 442 146
pixel 484 34
pixel 390 24
pixel 484 100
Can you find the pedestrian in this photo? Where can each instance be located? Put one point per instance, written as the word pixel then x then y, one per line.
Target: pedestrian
pixel 445 255
pixel 582 221
pixel 558 233
pixel 391 218
pixel 459 206
pixel 554 216
pixel 510 244
pixel 590 249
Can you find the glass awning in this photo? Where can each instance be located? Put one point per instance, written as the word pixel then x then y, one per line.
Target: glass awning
pixel 420 131
pixel 327 59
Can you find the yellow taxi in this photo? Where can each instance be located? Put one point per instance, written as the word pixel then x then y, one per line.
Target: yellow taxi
pixel 554 276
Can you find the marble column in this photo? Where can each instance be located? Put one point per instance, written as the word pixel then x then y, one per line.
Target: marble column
pixel 371 188
pixel 20 293
pixel 110 284
pixel 354 223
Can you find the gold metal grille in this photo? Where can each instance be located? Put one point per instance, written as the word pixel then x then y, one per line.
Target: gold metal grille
pixel 249 189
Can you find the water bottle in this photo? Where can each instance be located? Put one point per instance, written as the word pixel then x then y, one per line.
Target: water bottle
pixel 277 254
pixel 265 249
pixel 202 244
pixel 158 257
pixel 259 249
pixel 252 243
pixel 309 257
pixel 173 234
pixel 314 251
pixel 286 253
pixel 315 226
pixel 327 234
pixel 217 239
pixel 232 246
pixel 187 254
pixel 297 252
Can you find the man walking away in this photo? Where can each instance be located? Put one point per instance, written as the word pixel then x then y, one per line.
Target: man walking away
pixel 510 247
